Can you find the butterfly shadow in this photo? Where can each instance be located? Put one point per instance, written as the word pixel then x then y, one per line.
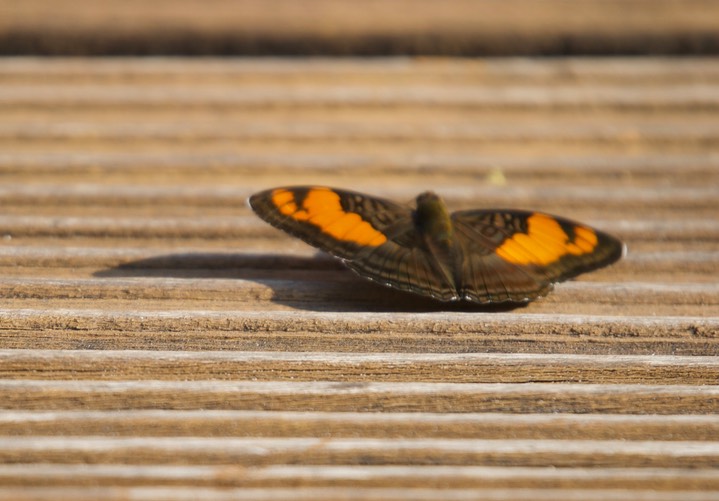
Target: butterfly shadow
pixel 318 283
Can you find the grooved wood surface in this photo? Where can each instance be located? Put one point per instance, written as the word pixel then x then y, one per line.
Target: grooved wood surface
pixel 159 341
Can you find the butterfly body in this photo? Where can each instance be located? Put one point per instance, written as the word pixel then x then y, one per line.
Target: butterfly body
pixel 481 256
pixel 434 227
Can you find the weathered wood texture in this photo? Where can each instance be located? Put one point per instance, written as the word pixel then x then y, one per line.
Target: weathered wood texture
pixel 158 341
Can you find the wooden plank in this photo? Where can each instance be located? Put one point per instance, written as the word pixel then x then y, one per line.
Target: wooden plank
pixel 318 493
pixel 376 367
pixel 356 396
pixel 317 71
pixel 433 476
pixel 119 166
pixel 672 97
pixel 387 323
pixel 231 292
pixel 351 331
pixel 244 423
pixel 256 451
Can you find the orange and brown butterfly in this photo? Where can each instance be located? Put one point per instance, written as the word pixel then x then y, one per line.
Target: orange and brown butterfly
pixel 482 256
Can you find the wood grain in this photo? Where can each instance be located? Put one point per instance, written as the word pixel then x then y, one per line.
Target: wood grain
pixel 158 341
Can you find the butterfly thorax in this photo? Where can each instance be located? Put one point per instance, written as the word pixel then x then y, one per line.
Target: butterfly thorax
pixel 431 218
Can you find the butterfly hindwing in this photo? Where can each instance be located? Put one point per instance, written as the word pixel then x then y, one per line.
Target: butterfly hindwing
pixel 407 268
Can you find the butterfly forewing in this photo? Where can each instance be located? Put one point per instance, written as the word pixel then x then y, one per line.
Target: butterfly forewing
pixel 342 223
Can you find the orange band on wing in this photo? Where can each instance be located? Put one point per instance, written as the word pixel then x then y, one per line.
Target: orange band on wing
pixel 546 242
pixel 322 208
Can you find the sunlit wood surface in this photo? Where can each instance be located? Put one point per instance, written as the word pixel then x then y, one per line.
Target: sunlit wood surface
pixel 159 341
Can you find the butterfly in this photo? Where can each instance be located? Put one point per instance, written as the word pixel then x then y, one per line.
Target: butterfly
pixel 481 256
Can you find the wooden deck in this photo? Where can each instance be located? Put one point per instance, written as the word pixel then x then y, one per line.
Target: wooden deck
pixel 158 341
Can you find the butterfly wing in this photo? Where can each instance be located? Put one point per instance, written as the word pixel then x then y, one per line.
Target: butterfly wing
pixel 375 237
pixel 510 255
